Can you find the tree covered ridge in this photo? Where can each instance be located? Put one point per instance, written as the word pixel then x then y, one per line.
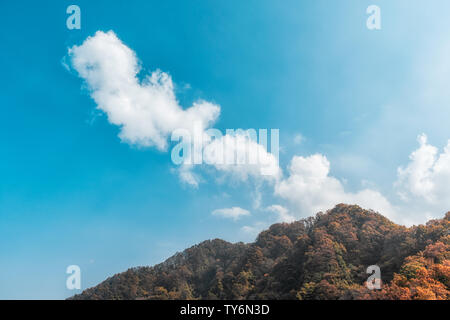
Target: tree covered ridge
pixel 321 257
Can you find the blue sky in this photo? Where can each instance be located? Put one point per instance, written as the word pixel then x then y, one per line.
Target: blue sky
pixel 71 192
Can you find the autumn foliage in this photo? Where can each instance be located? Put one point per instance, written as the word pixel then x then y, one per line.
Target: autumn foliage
pixel 322 257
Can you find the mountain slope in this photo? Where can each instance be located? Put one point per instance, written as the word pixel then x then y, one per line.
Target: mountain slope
pixel 322 257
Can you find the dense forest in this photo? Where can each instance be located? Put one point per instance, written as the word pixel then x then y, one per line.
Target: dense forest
pixel 322 257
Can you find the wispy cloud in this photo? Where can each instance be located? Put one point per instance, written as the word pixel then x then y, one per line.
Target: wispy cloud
pixel 234 213
pixel 299 138
pixel 283 214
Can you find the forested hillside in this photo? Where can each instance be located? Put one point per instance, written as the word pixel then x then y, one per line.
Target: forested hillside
pixel 322 257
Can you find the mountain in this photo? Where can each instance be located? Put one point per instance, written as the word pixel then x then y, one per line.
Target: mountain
pixel 321 257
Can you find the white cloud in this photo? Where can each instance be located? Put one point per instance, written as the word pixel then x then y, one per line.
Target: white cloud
pixel 234 213
pixel 236 156
pixel 146 111
pixel 282 213
pixel 187 175
pixel 241 157
pixel 417 178
pixel 425 181
pixel 309 189
pixel 253 230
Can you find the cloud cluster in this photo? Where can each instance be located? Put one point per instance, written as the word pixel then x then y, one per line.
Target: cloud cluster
pixel 309 188
pixel 148 112
pixel 422 186
pixel 425 181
